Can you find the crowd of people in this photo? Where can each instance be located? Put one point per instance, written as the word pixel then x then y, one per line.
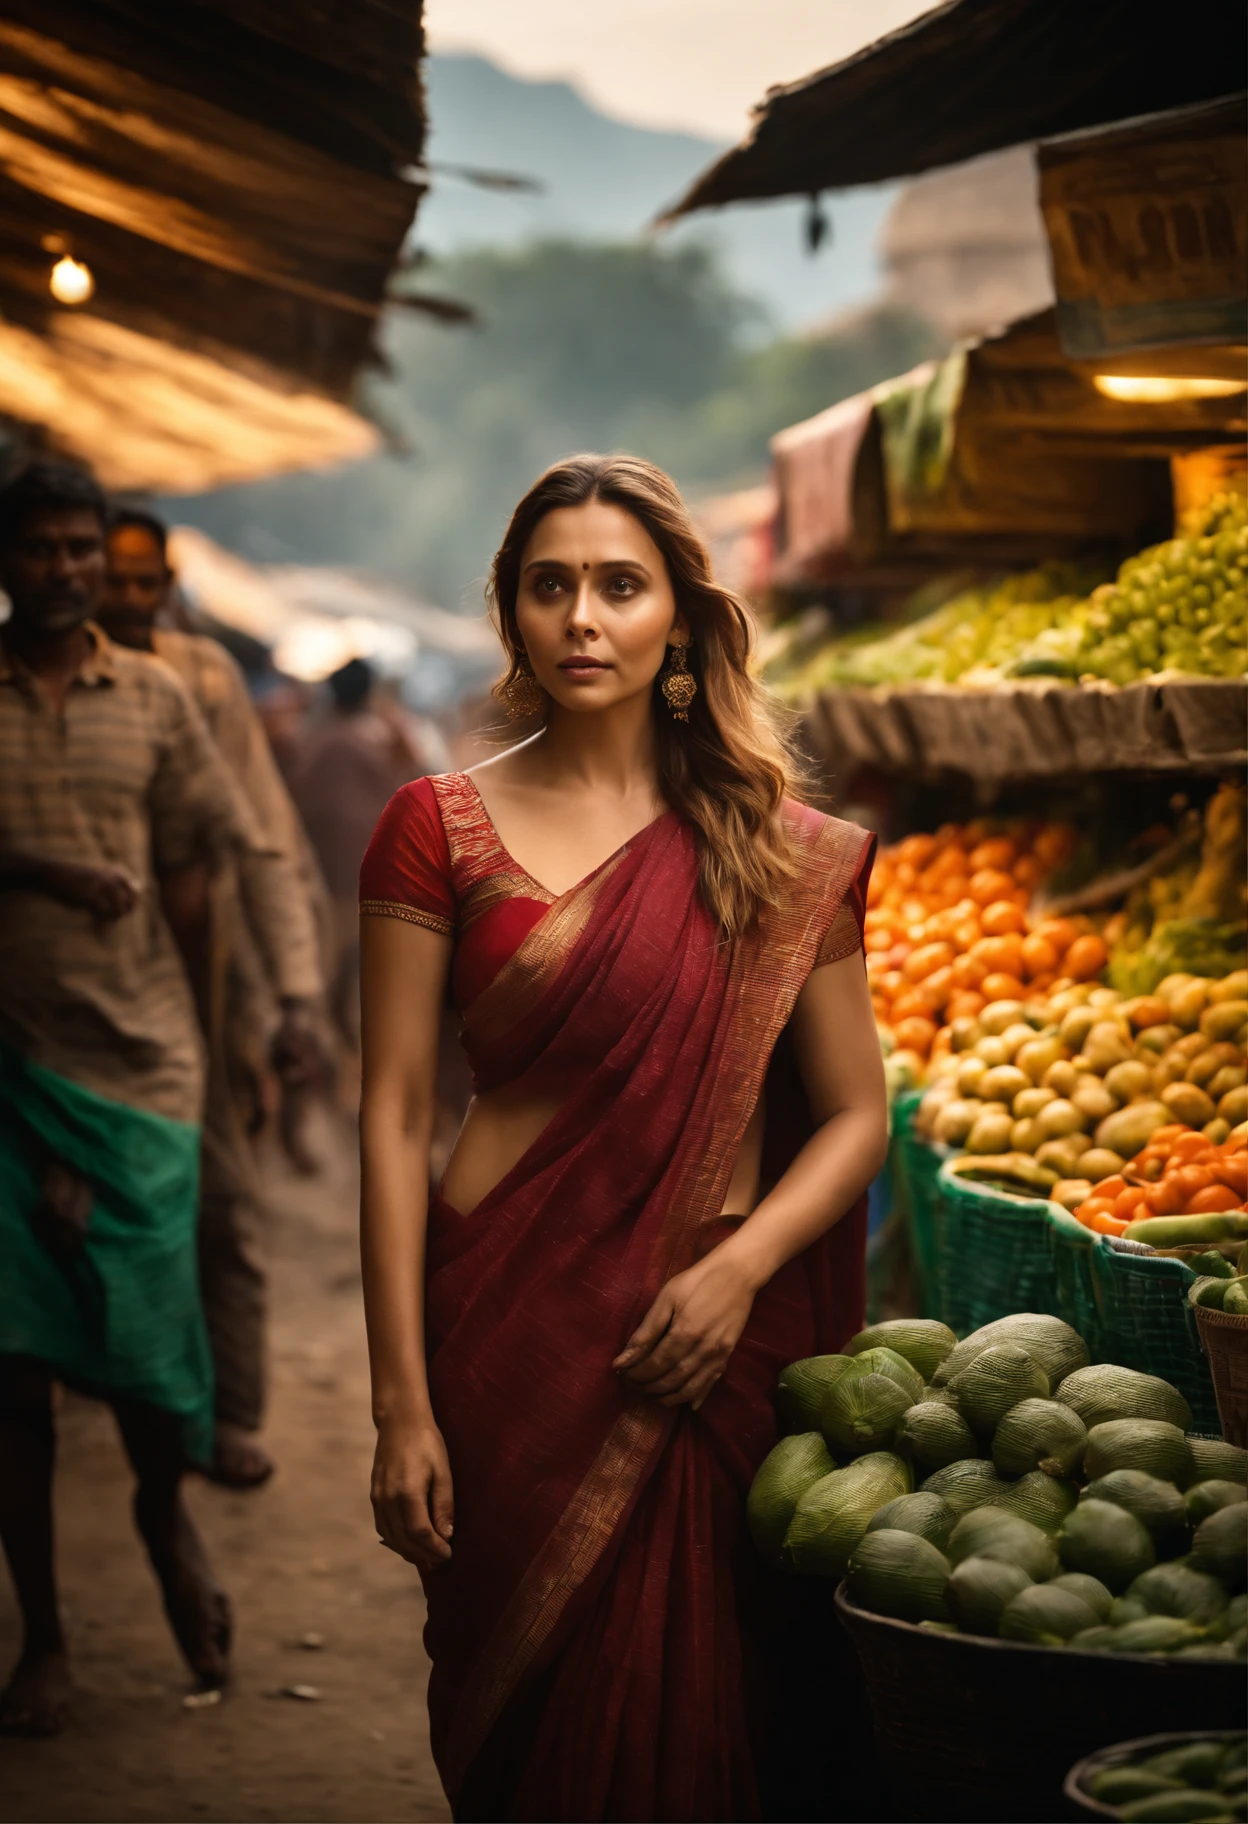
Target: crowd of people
pixel 178 964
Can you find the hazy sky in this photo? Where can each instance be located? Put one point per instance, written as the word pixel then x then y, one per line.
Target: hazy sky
pixel 696 64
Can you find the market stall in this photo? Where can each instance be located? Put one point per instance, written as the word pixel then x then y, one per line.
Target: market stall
pixel 1012 608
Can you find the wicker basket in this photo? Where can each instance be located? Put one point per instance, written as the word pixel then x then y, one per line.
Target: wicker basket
pixel 994 1254
pixel 971 1729
pixel 1124 1754
pixel 1149 1325
pixel 1072 1248
pixel 1224 1339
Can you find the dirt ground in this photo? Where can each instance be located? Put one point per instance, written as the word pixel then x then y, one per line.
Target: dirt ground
pixel 301 1561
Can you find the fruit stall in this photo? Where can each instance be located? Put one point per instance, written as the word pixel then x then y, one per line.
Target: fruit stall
pixel 1017 633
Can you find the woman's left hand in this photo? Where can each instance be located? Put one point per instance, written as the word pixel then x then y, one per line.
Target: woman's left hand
pixel 682 1345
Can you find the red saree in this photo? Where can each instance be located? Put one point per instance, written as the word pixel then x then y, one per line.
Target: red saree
pixel 585 1636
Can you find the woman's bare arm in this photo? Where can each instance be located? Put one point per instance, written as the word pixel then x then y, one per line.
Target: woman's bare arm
pixel 403 972
pixel 681 1346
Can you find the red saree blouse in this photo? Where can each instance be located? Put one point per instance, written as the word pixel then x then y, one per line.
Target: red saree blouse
pixel 587 1634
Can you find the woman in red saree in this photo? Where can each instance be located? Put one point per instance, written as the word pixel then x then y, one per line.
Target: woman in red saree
pixel 657 1197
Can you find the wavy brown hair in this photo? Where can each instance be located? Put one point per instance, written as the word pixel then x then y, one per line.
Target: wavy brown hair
pixel 726 771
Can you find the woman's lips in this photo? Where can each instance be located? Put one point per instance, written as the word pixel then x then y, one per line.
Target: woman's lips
pixel 586 667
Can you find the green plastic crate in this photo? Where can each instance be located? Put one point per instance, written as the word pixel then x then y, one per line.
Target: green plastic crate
pixel 1072 1248
pixel 994 1254
pixel 915 1165
pixel 1149 1325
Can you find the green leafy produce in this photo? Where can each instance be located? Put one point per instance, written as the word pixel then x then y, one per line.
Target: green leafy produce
pixel 1216 1460
pixel 1038 1434
pixel 1186 1806
pixel 1124 1609
pixel 1107 1542
pixel 1088 1589
pixel 893 1366
pixel 1105 1391
pixel 786 1473
pixel 997 1379
pixel 1194 1764
pixel 1220 1546
pixel 921 1341
pixel 863 1412
pixel 989 1533
pixel 1176 1589
pixel 925 1514
pixel 1045 1615
pixel 935 1434
pixel 1232 1619
pixel 978 1591
pixel 801 1387
pixel 1053 1345
pixel 1119 1785
pixel 1154 1446
pixel 964 1485
pixel 1154 1634
pixel 899 1574
pixel 832 1516
pixel 1205 1498
pixel 1156 1504
pixel 1043 1500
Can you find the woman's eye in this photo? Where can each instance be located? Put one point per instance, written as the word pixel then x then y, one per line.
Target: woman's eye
pixel 548 585
pixel 622 585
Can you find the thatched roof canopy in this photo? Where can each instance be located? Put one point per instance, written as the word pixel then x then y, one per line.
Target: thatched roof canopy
pixel 973 76
pixel 238 175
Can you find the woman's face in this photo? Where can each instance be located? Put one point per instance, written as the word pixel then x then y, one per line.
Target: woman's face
pixel 595 609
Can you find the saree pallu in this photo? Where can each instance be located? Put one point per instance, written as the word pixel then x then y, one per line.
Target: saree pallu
pixel 587 1649
pixel 122 1314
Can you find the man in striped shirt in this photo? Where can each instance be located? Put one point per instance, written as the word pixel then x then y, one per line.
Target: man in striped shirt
pixel 114 809
pixel 264 950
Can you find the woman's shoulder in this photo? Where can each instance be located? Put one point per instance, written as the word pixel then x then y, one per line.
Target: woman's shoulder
pixel 408 861
pixel 822 836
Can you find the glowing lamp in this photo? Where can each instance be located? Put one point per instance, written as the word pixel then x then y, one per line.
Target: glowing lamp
pixel 72 281
pixel 1158 389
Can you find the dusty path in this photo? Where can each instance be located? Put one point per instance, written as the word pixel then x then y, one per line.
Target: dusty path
pixel 299 1557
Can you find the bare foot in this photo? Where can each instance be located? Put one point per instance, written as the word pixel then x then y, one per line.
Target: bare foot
pixel 198 1608
pixel 36 1698
pixel 237 1460
pixel 199 1613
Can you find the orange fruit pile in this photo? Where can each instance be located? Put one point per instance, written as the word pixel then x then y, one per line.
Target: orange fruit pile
pixel 1179 1173
pixel 946 928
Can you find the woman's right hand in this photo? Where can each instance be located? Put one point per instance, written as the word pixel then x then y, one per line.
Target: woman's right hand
pixel 411 1492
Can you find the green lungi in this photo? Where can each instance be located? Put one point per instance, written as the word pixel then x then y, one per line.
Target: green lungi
pixel 123 1316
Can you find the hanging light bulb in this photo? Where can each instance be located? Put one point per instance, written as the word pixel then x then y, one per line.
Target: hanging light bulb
pixel 72 281
pixel 1163 389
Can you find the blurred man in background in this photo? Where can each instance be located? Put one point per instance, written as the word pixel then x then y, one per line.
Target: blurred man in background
pixel 351 766
pixel 115 809
pixel 264 980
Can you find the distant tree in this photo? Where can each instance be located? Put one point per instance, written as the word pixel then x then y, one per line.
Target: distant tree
pixel 577 346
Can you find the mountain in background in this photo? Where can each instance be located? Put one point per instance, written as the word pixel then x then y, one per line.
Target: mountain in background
pixel 605 180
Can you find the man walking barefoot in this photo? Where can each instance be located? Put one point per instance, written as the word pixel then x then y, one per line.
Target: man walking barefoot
pixel 262 925
pixel 113 807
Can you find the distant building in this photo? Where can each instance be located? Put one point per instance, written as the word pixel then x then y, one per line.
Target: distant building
pixel 965 246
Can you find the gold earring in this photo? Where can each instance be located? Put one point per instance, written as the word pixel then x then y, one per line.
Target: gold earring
pixel 677 685
pixel 522 695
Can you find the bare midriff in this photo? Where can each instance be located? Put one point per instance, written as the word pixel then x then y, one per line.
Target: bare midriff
pixel 502 1124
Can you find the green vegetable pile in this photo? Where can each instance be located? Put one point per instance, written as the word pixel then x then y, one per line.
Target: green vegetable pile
pixel 1199 1777
pixel 1181 606
pixel 1004 1486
